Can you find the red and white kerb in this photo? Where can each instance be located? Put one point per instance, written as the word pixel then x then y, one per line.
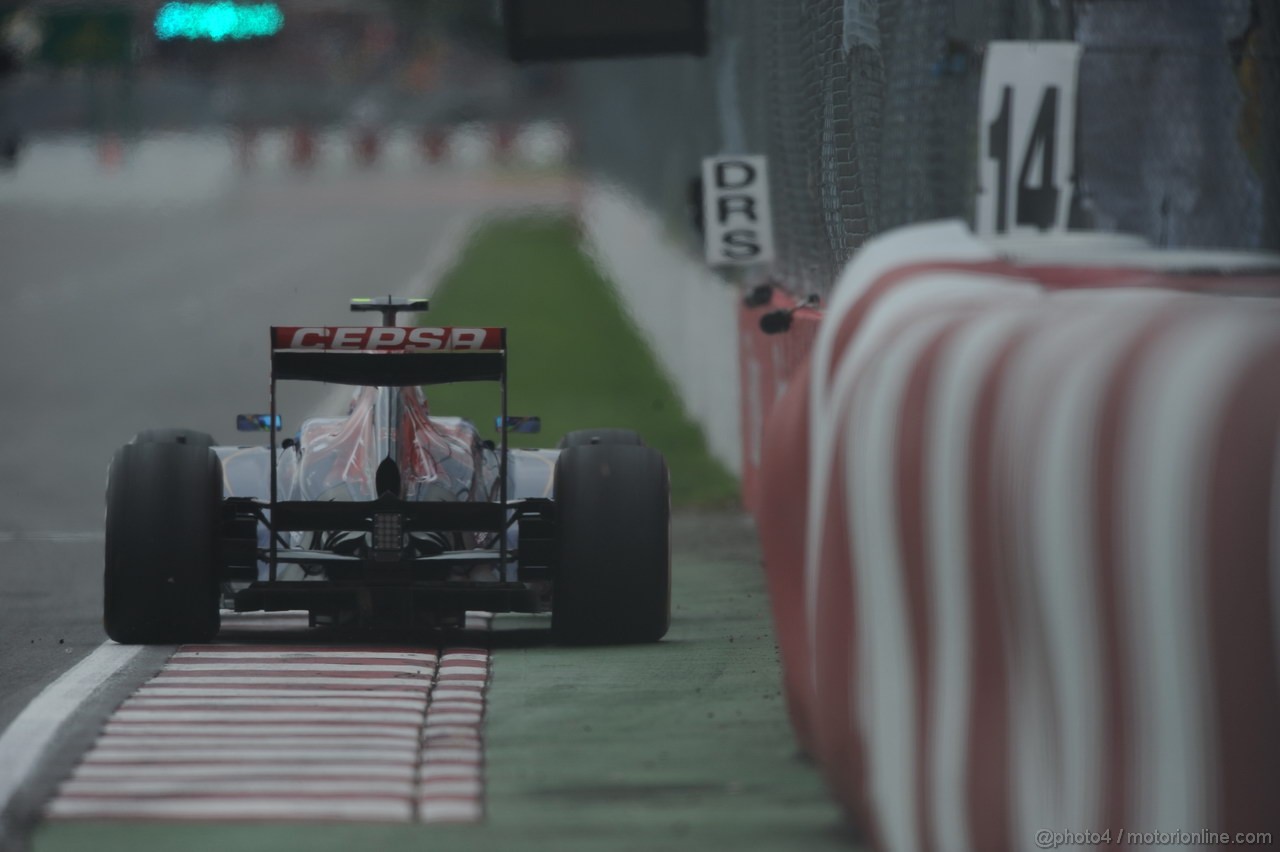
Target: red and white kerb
pixel 294 732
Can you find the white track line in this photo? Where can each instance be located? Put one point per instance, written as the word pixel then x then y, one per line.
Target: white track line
pixel 24 742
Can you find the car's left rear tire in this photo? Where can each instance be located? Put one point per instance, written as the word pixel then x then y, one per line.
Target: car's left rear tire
pixel 160 578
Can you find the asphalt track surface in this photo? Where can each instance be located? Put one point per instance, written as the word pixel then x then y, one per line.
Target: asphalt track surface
pixel 115 321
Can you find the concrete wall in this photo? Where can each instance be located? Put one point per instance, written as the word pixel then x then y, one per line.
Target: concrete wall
pixel 688 314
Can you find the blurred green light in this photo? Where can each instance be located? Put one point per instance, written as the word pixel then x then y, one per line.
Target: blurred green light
pixel 218 21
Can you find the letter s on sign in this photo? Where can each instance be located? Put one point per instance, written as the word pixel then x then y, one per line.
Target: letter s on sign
pixel 741 243
pixel 307 338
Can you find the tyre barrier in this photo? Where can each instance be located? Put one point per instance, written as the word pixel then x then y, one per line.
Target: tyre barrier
pixel 768 365
pixel 1018 521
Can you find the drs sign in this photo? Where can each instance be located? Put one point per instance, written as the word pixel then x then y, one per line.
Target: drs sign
pixel 735 210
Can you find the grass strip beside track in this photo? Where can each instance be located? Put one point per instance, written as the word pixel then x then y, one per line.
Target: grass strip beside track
pixel 576 359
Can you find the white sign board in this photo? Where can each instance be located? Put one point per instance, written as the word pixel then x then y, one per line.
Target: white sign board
pixel 735 210
pixel 1027 129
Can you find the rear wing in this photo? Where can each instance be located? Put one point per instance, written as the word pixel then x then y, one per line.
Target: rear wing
pixel 388 355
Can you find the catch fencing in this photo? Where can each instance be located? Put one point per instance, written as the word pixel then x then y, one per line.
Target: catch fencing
pixel 868 112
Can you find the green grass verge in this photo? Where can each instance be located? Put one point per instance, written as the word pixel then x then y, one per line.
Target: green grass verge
pixel 576 360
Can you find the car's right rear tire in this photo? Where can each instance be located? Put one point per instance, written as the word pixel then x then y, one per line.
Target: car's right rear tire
pixel 612 582
pixel 160 578
pixel 579 437
pixel 172 435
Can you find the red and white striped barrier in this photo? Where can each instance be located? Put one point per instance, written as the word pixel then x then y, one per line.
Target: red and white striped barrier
pixel 1019 521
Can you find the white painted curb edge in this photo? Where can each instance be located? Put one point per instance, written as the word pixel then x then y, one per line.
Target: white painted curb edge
pixel 27 738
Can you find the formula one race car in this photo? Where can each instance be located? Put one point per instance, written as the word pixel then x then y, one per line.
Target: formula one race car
pixel 389 515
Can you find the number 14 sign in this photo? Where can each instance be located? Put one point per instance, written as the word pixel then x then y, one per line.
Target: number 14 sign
pixel 1026 153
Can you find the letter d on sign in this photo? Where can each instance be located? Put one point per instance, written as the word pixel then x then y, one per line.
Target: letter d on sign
pixel 734 174
pixel 736 211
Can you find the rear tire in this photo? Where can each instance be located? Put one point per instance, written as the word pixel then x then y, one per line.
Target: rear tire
pixel 171 435
pixel 580 437
pixel 160 579
pixel 613 578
